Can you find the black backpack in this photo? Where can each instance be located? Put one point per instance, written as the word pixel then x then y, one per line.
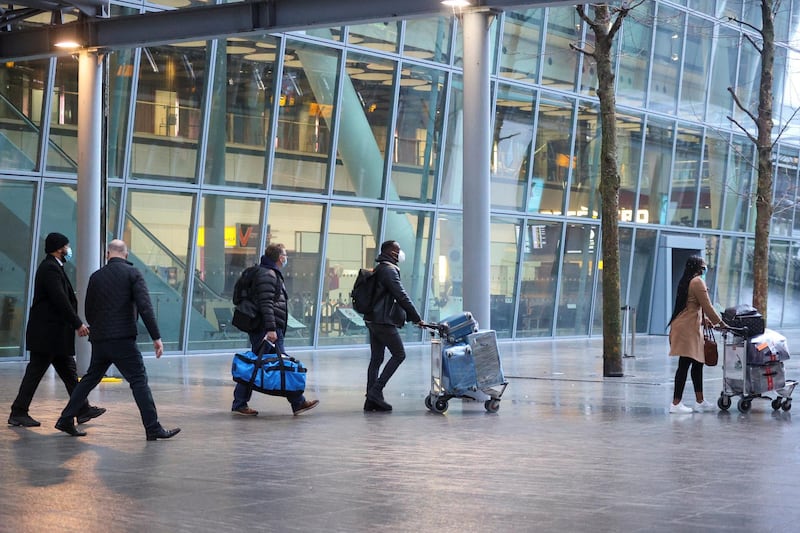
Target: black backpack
pixel 246 316
pixel 363 293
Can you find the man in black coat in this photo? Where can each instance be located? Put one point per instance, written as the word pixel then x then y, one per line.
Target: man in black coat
pixel 115 297
pixel 391 309
pixel 50 335
pixel 272 300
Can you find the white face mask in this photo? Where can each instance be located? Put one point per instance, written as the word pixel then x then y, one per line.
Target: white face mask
pixel 401 256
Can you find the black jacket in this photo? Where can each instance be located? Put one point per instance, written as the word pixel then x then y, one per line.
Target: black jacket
pixel 271 297
pixel 53 317
pixel 116 296
pixel 392 305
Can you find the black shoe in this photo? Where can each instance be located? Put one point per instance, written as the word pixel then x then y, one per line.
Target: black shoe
pixel 68 427
pixel 162 433
pixel 305 406
pixel 91 412
pixel 23 420
pixel 374 403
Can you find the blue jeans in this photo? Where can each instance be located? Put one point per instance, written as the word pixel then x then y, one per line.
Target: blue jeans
pixel 125 355
pixel 242 393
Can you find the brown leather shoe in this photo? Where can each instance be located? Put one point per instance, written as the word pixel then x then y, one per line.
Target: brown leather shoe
pixel 246 411
pixel 306 406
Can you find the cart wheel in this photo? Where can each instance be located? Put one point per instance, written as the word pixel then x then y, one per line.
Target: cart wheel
pixel 429 402
pixel 776 404
pixel 724 402
pixel 440 405
pixel 743 405
pixel 492 405
pixel 787 404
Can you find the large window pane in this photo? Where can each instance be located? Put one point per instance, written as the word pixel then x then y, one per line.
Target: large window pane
pixel 428 39
pixel 167 121
pixel 352 244
pixel 503 277
pixel 739 185
pixel 667 55
pixel 552 158
pixel 629 154
pixel 541 250
pixel 412 229
pixel 298 226
pixel 641 278
pixel 418 129
pixel 16 212
pixel 377 35
pixel 747 85
pixel 685 172
pixel 723 75
pixel 448 268
pixel 367 98
pixel 577 279
pixel 21 95
pixel 625 243
pixel 653 191
pixel 303 142
pixel 712 182
pixel 560 66
pixel 241 110
pixel 777 278
pixel 511 149
pixel 119 94
pixel 453 170
pixel 156 229
pixel 696 64
pixel 635 43
pixel 584 195
pixel 62 154
pixel 791 312
pixel 229 237
pixel 519 57
pixel 729 266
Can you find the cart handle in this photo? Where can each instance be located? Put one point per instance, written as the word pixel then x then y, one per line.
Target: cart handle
pixel 741 332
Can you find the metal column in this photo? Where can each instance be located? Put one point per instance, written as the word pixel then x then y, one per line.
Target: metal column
pixel 477 152
pixel 88 253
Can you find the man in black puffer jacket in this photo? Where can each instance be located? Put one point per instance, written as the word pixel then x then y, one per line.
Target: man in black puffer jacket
pixel 272 303
pixel 115 297
pixel 391 309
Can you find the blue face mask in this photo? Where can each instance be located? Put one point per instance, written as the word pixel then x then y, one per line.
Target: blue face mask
pixel 69 254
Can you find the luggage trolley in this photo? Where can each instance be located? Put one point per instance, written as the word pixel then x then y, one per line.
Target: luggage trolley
pixel 464 366
pixel 752 366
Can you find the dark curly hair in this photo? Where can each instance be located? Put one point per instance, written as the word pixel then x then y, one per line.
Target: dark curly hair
pixel 693 268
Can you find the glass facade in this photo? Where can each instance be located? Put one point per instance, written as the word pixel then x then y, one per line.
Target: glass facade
pixel 330 141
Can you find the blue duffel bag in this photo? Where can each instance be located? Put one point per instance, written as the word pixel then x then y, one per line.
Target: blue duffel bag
pixel 269 373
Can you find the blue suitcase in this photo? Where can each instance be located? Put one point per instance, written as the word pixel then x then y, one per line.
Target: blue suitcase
pixel 458 370
pixel 456 328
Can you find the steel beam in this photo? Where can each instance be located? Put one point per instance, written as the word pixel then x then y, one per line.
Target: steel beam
pixel 208 22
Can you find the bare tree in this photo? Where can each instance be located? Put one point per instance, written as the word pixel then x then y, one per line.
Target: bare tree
pixel 606 23
pixel 764 146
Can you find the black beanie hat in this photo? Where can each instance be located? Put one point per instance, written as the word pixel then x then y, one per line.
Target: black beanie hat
pixel 54 241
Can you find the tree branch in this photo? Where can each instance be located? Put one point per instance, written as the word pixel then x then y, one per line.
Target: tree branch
pixel 794 114
pixel 755 44
pixel 622 12
pixel 581 50
pixel 582 13
pixel 741 106
pixel 749 135
pixel 743 23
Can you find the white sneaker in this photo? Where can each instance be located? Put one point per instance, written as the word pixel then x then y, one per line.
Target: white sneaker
pixel 679 409
pixel 704 407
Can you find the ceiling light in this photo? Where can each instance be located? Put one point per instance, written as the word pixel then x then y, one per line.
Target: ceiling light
pixel 455 3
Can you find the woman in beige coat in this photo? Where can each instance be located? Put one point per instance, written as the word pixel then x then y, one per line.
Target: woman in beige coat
pixel 686 334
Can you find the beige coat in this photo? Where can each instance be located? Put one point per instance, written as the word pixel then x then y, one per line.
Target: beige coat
pixel 686 333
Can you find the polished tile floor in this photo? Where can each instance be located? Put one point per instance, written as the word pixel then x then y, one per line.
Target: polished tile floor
pixel 568 451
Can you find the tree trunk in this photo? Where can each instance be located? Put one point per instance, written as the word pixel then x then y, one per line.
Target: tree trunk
pixel 764 187
pixel 609 193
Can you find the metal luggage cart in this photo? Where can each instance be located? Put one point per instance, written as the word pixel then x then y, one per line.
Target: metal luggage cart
pixel 750 381
pixel 470 370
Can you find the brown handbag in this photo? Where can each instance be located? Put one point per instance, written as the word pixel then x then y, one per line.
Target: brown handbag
pixel 710 352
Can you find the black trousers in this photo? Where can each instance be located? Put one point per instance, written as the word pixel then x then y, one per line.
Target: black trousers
pixel 381 337
pixel 125 355
pixel 680 376
pixel 37 366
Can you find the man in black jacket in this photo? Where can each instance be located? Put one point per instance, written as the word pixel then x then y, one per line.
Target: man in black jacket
pixel 50 335
pixel 391 309
pixel 272 300
pixel 115 295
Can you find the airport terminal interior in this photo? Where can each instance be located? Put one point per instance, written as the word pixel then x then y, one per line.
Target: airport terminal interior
pixel 330 140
